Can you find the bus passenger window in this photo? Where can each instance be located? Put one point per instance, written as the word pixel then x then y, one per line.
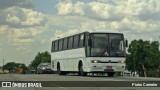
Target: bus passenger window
pixel 52 50
pixel 70 43
pixel 56 45
pixel 76 41
pixel 60 44
pixel 65 43
pixel 81 40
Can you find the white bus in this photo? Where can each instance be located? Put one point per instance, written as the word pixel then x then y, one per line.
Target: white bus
pixel 89 52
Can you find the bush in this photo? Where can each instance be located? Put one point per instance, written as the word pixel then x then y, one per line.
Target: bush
pixel 152 73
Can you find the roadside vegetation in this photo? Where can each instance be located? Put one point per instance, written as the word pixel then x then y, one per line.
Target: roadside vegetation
pixel 144 58
pixel 39 58
pixel 13 67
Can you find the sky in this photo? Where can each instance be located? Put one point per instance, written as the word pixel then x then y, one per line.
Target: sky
pixel 28 26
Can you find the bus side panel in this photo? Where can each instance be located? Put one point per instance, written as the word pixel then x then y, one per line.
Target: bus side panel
pixel 68 59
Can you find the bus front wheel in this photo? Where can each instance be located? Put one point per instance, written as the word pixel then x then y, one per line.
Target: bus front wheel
pixel 81 72
pixel 59 70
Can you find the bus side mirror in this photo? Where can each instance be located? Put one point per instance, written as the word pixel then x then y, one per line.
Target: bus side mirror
pixel 126 43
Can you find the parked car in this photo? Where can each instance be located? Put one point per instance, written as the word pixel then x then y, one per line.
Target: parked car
pixel 44 68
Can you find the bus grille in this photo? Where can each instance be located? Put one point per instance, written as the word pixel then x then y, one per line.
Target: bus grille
pixel 108 62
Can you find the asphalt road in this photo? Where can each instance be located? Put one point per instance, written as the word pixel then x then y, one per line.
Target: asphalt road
pixel 55 77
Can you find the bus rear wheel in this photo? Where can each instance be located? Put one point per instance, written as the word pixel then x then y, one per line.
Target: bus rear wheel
pixel 110 74
pixel 81 72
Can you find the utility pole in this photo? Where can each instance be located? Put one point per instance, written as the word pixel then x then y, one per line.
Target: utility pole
pixel 3 64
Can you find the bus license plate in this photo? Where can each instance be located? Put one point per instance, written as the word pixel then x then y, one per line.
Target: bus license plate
pixel 108 67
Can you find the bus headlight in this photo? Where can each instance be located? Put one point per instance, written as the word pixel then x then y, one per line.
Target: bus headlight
pixel 43 68
pixel 122 61
pixel 96 61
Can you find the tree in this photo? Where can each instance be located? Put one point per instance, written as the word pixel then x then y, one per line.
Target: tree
pixel 13 66
pixel 143 56
pixel 40 57
pixel 10 66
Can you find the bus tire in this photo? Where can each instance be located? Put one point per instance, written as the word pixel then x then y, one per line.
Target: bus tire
pixel 59 70
pixel 110 74
pixel 81 72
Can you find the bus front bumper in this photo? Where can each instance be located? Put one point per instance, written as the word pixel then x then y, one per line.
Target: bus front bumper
pixel 107 68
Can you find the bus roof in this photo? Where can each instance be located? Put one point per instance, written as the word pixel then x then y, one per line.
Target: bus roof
pixel 93 31
pixel 103 31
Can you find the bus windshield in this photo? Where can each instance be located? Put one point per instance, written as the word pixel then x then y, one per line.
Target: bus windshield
pixel 107 45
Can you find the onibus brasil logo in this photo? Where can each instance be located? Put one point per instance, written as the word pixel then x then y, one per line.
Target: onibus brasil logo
pixel 21 84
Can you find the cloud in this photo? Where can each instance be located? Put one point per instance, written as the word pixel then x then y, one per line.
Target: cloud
pixel 79 8
pixel 21 3
pixel 25 24
pixel 135 18
pixel 64 8
pixel 25 35
pixel 23 40
pixel 61 34
pixel 21 35
pixel 143 9
pixel 112 9
pixel 21 48
pixel 22 16
pixel 21 25
pixel 21 30
pixel 80 23
pixel 93 9
pixel 3 30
